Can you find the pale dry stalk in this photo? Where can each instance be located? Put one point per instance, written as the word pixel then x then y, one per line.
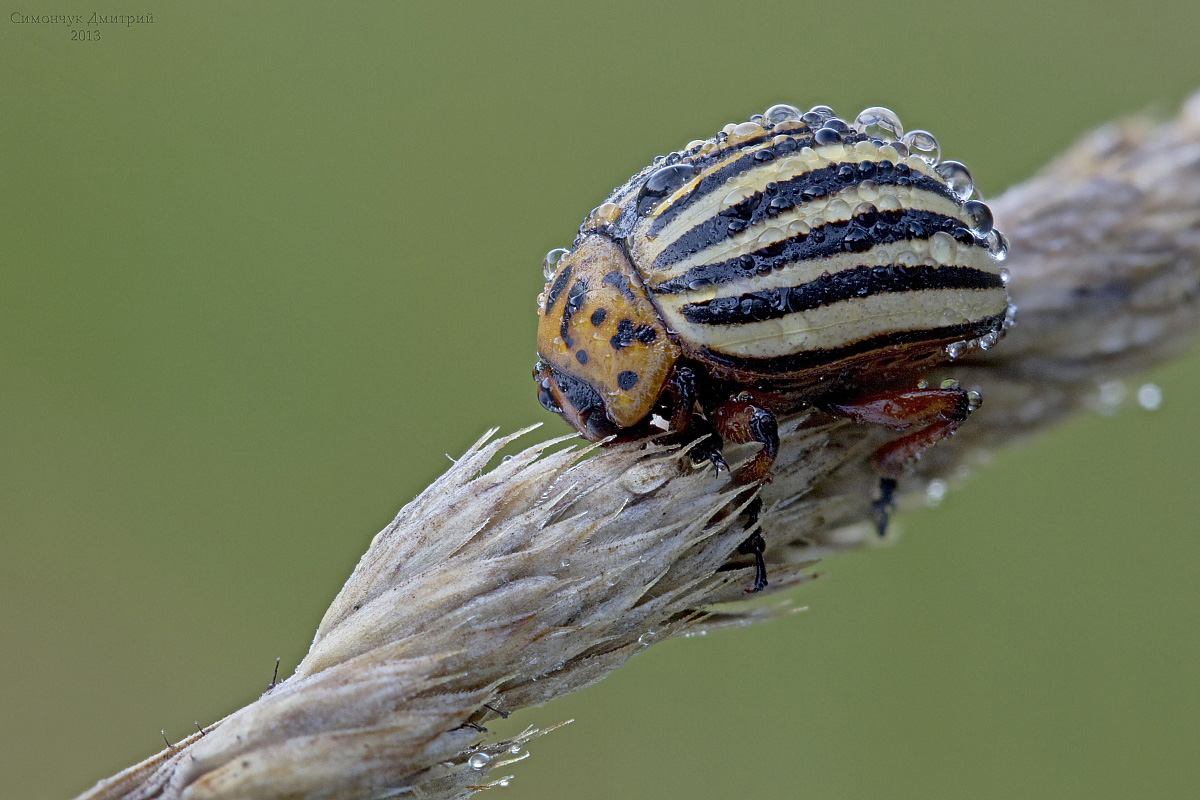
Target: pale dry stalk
pixel 501 588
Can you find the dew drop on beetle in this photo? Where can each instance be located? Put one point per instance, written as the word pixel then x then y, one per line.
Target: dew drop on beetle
pixel 957 178
pixel 780 113
pixel 661 183
pixel 880 123
pixel 550 262
pixel 980 216
pixel 923 145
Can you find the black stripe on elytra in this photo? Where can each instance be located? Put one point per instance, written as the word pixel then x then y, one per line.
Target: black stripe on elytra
pixel 835 287
pixel 808 359
pixel 560 283
pixel 573 304
pixel 832 238
pixel 789 194
pixel 719 177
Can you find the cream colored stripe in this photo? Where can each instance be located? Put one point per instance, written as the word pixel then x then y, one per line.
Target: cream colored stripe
pixel 835 208
pixel 842 323
pixel 908 253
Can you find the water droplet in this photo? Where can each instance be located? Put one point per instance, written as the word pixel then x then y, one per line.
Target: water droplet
pixel 997 242
pixel 737 196
pixel 744 132
pixel 956 349
pixel 1149 396
pixel 646 638
pixel 935 492
pixel 879 122
pixel 838 209
pixel 478 760
pixel 948 383
pixel 957 178
pixel 942 247
pixel 694 143
pixel 889 202
pixel 602 215
pixel 780 113
pixel 923 145
pixel 888 152
pixel 827 136
pixel 1004 277
pixel 816 116
pixel 798 226
pixel 980 216
pixel 974 400
pixel 566 562
pixel 550 262
pixel 868 190
pixel 515 749
pixel 663 182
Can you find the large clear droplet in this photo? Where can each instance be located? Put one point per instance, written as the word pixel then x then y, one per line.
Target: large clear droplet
pixel 478 760
pixel 818 114
pixel 923 145
pixel 980 216
pixel 550 262
pixel 880 122
pixel 957 178
pixel 662 182
pixel 780 113
pixel 997 242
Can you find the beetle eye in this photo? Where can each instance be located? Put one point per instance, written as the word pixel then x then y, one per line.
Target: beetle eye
pixel 547 399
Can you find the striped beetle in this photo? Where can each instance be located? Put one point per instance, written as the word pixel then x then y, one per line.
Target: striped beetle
pixel 792 260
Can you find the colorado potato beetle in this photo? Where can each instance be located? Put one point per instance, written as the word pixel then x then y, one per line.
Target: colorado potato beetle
pixel 792 260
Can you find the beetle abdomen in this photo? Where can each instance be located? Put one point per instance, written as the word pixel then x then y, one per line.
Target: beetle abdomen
pixel 773 253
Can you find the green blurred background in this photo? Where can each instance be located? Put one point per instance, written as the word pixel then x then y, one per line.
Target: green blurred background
pixel 262 267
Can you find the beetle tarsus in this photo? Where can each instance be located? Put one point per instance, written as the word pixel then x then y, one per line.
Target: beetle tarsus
pixel 754 545
pixel 883 507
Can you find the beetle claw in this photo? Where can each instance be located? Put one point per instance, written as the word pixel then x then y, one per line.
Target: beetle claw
pixel 883 507
pixel 709 449
pixel 755 545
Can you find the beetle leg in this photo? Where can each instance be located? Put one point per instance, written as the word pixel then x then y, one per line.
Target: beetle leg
pixel 681 394
pixel 739 420
pixel 755 545
pixel 934 413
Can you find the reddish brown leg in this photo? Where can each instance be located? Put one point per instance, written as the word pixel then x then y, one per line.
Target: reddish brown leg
pixel 934 413
pixel 739 420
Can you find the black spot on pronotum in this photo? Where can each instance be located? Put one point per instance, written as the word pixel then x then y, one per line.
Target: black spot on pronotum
pixel 598 317
pixel 624 335
pixel 560 283
pixel 627 379
pixel 618 282
pixel 581 356
pixel 573 304
pixel 627 334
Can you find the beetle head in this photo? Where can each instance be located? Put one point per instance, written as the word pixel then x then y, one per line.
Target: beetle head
pixel 604 354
